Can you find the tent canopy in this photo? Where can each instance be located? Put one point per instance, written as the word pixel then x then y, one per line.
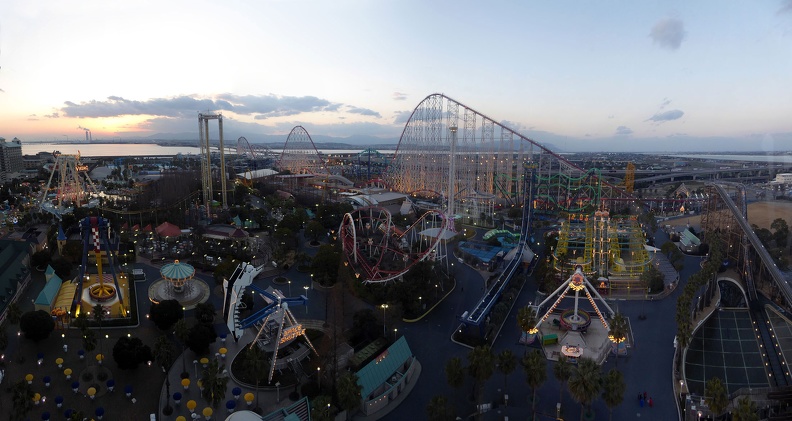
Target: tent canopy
pixel 166 229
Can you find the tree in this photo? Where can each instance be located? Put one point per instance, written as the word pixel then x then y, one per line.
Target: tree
pixel 618 332
pixel 199 337
pixel 182 332
pixel 40 259
pixel 781 233
pixel 214 383
pixel 164 352
pixel 349 392
pixel 324 265
pixel 88 340
pixel 535 366
pixel 62 268
pixel 99 316
pixel 129 352
pixel 22 400
pixel 746 410
pixel 613 389
pixel 584 384
pixel 715 396
pixel 13 313
pixel 256 363
pixel 653 279
pixel 314 230
pixel 667 248
pixel 322 408
pixel 506 364
pixel 438 409
pixel 526 320
pixel 166 313
pixel 480 367
pixel 455 373
pixel 562 370
pixel 205 313
pixel 36 325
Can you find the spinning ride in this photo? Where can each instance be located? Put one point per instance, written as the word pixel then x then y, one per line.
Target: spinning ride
pixel 575 319
pixel 178 283
pixel 378 251
pixel 99 288
pixel 276 326
pixel 72 188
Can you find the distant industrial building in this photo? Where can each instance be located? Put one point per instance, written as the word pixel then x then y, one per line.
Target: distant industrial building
pixel 783 178
pixel 11 164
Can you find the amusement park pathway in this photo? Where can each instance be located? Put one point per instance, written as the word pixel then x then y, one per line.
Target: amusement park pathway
pixel 648 367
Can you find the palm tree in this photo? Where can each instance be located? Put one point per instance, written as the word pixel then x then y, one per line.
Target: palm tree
pixel 746 410
pixel 613 390
pixel 584 384
pixel 321 408
pixel 349 392
pixel 455 373
pixel 13 313
pixel 89 340
pixel 715 396
pixel 618 332
pixel 22 400
pixel 256 363
pixel 526 320
pixel 562 370
pixel 99 316
pixel 438 409
pixel 535 366
pixel 481 363
pixel 164 353
pixel 214 382
pixel 182 332
pixel 506 364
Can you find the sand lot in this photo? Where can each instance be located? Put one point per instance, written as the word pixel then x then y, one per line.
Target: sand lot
pixel 760 213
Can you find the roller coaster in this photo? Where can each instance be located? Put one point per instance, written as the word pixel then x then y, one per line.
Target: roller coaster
pixel 379 251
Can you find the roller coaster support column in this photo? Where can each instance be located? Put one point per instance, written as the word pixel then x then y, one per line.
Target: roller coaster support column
pixel 452 175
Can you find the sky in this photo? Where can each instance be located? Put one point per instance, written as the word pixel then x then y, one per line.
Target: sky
pixel 580 76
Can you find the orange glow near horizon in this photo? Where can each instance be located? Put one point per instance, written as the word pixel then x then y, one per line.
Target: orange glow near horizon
pixel 68 128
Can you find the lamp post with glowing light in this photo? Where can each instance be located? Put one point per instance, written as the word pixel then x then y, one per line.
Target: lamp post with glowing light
pixel 384 332
pixel 306 296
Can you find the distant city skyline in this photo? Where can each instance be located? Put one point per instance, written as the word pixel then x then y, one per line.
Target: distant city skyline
pixel 618 76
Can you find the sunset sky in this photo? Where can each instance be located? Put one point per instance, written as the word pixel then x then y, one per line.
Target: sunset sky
pixel 609 75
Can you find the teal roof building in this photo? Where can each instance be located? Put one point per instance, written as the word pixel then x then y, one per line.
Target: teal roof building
pixel 387 376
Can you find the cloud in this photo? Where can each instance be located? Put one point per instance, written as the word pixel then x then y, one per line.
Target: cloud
pixel 623 131
pixel 54 114
pixel 260 106
pixel 399 96
pixel 401 117
pixel 1 90
pixel 786 7
pixel 362 111
pixel 275 105
pixel 668 33
pixel 664 116
pixel 665 103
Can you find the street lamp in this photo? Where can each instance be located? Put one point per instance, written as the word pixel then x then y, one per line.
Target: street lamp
pixel 306 296
pixel 289 287
pixel 384 307
pixel 277 388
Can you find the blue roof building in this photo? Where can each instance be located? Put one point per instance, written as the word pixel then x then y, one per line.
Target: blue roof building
pixel 14 271
pixel 386 377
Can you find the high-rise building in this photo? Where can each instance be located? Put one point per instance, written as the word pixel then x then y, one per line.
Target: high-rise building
pixel 11 162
